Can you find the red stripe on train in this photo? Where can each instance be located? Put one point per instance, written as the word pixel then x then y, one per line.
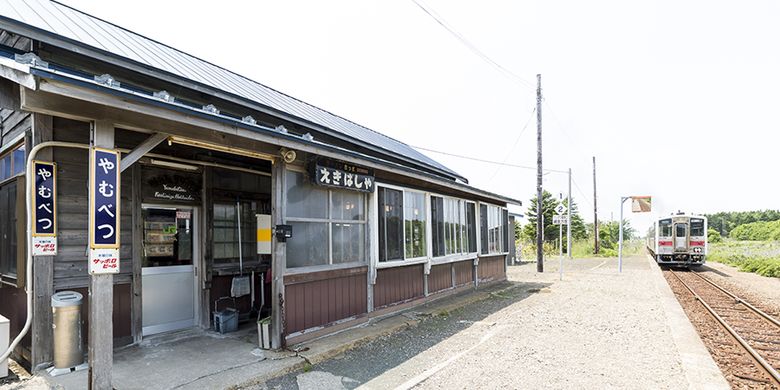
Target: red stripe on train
pixel 664 243
pixel 697 243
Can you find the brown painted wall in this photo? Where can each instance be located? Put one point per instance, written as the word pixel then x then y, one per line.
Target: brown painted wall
pixel 464 272
pixel 320 298
pixel 122 306
pixel 491 268
pixel 398 284
pixel 440 278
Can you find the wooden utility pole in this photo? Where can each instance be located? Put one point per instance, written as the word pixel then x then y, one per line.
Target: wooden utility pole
pixel 595 213
pixel 539 210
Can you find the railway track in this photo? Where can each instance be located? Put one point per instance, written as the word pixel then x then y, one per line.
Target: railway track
pixel 756 332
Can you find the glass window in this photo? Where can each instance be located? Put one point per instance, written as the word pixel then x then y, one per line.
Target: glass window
pixel 349 242
pixel 697 227
pixel 305 200
pixel 391 233
pixel 437 226
pixel 414 225
pixel 665 228
pixel 483 226
pixel 471 227
pixel 494 228
pixel 309 245
pixel 505 237
pixel 8 246
pixel 12 163
pixel 680 229
pixel 225 225
pixel 329 225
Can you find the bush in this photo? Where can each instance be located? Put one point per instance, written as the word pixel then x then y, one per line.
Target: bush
pixel 713 236
pixel 762 258
pixel 757 231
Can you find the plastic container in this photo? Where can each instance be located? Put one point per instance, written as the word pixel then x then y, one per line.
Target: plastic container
pixel 225 320
pixel 68 341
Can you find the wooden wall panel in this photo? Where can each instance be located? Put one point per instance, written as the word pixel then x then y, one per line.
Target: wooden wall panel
pixel 121 316
pixel 318 299
pixel 491 268
pixel 398 284
pixel 13 305
pixel 464 272
pixel 440 278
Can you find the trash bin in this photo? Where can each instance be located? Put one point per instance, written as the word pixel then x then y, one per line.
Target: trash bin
pixel 68 346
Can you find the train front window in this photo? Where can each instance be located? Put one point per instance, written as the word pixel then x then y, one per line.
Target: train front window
pixel 697 228
pixel 665 228
pixel 680 229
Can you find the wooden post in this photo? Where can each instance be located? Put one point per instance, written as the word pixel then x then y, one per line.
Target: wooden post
pixel 539 208
pixel 136 313
pixel 101 298
pixel 279 261
pixel 43 266
pixel 595 213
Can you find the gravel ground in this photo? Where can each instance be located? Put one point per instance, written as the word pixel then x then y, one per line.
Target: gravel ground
pixel 737 366
pixel 594 329
pixel 760 291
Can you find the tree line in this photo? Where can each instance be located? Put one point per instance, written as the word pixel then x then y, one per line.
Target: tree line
pixel 726 221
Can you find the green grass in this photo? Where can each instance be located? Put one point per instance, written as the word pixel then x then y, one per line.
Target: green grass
pixel 760 257
pixel 582 249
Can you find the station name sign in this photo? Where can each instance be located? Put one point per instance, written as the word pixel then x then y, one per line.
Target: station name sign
pixel 104 211
pixel 44 234
pixel 333 173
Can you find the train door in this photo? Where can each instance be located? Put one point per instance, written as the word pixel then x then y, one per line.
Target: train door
pixel 681 237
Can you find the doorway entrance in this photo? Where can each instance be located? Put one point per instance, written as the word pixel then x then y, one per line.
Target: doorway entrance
pixel 168 278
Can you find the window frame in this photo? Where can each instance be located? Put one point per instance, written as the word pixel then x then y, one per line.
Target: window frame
pixel 460 256
pixel 503 231
pixel 428 245
pixel 9 149
pixel 365 222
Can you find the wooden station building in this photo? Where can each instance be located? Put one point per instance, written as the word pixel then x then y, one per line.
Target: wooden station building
pixel 222 178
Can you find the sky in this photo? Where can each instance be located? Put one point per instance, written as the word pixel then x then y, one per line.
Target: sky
pixel 676 99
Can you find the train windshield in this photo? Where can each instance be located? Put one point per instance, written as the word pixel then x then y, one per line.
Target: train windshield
pixel 680 230
pixel 697 227
pixel 665 228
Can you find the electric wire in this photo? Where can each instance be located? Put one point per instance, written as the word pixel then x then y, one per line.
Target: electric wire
pixel 473 48
pixel 509 153
pixel 486 161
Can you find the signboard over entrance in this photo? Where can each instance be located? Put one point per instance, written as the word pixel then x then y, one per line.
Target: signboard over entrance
pixel 44 235
pixel 332 173
pixel 104 211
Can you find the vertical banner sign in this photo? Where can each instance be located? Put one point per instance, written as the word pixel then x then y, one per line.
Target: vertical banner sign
pixel 103 211
pixel 44 234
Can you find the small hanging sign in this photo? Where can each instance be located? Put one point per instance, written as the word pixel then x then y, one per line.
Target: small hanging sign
pixel 104 211
pixel 44 234
pixel 333 173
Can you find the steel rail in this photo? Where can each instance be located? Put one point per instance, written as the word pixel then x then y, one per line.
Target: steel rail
pixel 773 374
pixel 740 300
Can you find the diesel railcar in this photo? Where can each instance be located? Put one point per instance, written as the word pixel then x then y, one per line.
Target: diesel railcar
pixel 679 240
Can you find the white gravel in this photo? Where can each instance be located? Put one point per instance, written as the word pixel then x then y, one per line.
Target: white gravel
pixel 594 329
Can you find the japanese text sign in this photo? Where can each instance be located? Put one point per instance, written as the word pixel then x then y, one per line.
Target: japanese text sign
pixel 104 199
pixel 342 175
pixel 44 212
pixel 103 261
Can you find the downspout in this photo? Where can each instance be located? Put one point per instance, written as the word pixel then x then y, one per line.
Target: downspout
pixel 28 288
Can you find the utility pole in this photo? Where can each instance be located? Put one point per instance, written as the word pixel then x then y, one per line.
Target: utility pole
pixel 539 210
pixel 568 224
pixel 595 213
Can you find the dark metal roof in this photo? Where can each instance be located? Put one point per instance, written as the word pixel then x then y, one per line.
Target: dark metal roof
pixel 88 32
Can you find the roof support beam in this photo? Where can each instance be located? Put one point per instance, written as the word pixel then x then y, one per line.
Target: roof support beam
pixel 143 148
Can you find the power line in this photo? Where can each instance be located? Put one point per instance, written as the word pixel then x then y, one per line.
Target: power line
pixel 474 49
pixel 485 161
pixel 585 197
pixel 509 153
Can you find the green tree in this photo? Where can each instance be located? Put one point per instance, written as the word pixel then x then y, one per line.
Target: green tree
pixel 609 234
pixel 713 236
pixel 548 210
pixel 578 231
